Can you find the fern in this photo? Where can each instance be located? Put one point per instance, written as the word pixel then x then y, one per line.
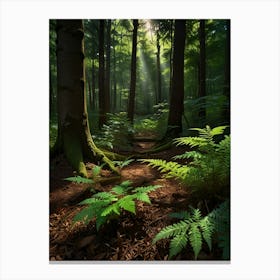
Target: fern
pixel 220 218
pixel 209 169
pixel 194 228
pixel 79 180
pixel 105 206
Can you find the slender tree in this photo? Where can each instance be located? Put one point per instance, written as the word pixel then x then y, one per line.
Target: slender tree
pixel 202 69
pixel 159 95
pixel 131 100
pixel 74 137
pixel 176 107
pixel 101 77
pixel 227 72
pixel 108 68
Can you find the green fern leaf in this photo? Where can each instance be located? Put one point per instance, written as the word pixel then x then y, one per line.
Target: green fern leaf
pixel 146 189
pixel 143 197
pixel 218 130
pixel 105 196
pixel 100 220
pixel 171 231
pixel 207 230
pixel 195 239
pixel 177 244
pixel 113 208
pixel 79 180
pixel 127 203
pixel 180 215
pixel 85 215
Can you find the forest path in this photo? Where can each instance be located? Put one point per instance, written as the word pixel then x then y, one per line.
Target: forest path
pixel 128 238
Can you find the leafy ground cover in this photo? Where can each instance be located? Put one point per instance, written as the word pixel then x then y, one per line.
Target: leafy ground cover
pixel 130 236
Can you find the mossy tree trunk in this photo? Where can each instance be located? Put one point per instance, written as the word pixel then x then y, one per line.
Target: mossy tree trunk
pixel 74 137
pixel 176 107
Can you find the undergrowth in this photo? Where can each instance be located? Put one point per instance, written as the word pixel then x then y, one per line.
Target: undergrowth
pixel 209 167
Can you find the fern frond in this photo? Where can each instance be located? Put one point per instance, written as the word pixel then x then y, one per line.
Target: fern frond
pixel 113 208
pixel 195 239
pixel 187 155
pixel 127 203
pixel 183 215
pixel 142 196
pixel 85 215
pixel 191 141
pixel 105 196
pixel 177 244
pixel 207 230
pixel 171 231
pixel 79 180
pixel 218 130
pixel 146 189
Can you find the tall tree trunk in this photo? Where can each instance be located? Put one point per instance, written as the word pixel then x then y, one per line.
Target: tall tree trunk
pixel 158 70
pixel 226 113
pixel 51 90
pixel 202 70
pixel 74 137
pixel 89 91
pixel 114 79
pixel 101 77
pixel 170 58
pixel 131 99
pixel 93 97
pixel 108 68
pixel 176 107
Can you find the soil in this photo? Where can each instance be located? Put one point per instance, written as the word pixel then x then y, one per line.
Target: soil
pixel 129 237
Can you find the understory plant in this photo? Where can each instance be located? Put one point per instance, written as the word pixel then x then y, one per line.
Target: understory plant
pixel 105 206
pixel 116 133
pixel 194 229
pixel 207 165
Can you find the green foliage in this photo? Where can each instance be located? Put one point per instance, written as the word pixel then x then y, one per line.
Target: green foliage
pixel 117 133
pixel 209 169
pixel 220 217
pixel 105 206
pixel 194 228
pixel 154 124
pixel 79 180
pixel 124 163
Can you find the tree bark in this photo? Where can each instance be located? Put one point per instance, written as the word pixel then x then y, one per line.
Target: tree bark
pixel 159 99
pixel 74 137
pixel 101 77
pixel 226 113
pixel 170 58
pixel 131 100
pixel 202 69
pixel 108 68
pixel 93 96
pixel 176 107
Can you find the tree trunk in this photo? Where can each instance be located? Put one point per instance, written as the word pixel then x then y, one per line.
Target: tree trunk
pixel 202 70
pixel 131 100
pixel 176 107
pixel 170 58
pixel 114 80
pixel 101 77
pixel 51 90
pixel 93 97
pixel 159 99
pixel 107 73
pixel 74 137
pixel 226 113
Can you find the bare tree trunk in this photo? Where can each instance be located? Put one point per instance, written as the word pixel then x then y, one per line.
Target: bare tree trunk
pixel 159 99
pixel 202 69
pixel 107 71
pixel 176 107
pixel 101 77
pixel 93 97
pixel 170 58
pixel 131 100
pixel 226 113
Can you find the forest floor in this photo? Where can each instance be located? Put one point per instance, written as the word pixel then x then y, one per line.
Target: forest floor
pixel 128 238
